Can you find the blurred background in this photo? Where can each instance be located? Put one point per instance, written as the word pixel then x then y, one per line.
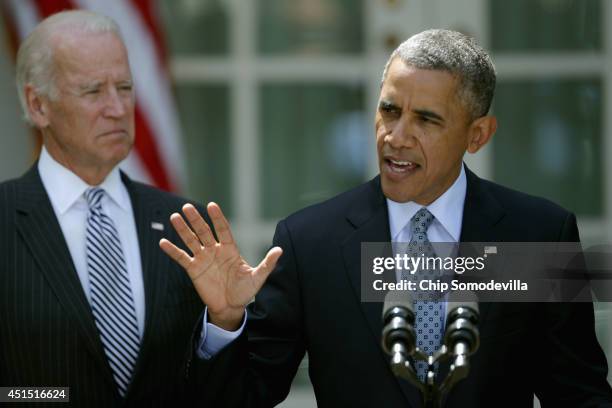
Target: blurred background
pixel 273 102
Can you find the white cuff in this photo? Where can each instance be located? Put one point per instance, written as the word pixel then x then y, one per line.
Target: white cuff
pixel 213 338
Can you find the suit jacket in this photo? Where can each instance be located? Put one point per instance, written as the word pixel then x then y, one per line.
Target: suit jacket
pixel 48 335
pixel 311 303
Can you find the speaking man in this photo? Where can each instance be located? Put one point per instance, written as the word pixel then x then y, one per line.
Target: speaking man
pixel 87 299
pixel 436 93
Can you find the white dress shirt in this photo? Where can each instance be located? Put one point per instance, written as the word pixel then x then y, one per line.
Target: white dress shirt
pixel 446 227
pixel 66 193
pixel 447 210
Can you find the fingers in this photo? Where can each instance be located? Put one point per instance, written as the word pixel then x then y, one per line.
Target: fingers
pixel 187 236
pixel 175 253
pixel 222 228
pixel 268 263
pixel 198 224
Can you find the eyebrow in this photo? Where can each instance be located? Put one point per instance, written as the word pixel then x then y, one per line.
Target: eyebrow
pixel 95 83
pixel 388 105
pixel 428 114
pixel 91 85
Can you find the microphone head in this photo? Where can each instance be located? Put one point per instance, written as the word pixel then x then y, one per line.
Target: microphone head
pixel 398 323
pixel 459 301
pixel 398 299
pixel 462 317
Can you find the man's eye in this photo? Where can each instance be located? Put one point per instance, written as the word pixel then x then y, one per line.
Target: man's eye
pixel 388 109
pixel 427 120
pixel 126 88
pixel 92 92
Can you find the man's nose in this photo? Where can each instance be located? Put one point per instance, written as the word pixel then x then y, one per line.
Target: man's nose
pixel 115 104
pixel 402 134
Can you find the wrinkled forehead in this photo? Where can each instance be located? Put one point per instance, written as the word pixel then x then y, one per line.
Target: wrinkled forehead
pixel 402 75
pixel 77 52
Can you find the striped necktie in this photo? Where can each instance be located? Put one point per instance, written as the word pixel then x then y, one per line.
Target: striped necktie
pixel 112 302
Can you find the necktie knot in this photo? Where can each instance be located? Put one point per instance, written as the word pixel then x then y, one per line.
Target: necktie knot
pixel 94 197
pixel 420 222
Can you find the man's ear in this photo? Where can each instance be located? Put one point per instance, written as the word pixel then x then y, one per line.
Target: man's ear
pixel 37 107
pixel 480 132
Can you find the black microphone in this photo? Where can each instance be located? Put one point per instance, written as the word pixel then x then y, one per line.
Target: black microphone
pixel 398 335
pixel 462 337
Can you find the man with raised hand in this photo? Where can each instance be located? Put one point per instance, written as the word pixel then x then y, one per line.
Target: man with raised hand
pixel 434 103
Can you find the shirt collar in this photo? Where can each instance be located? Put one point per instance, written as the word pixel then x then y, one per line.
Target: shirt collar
pixel 65 188
pixel 448 209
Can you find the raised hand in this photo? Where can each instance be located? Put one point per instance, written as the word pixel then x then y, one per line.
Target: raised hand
pixel 224 281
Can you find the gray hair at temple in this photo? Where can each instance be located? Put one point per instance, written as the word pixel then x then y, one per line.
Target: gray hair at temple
pixel 35 65
pixel 458 54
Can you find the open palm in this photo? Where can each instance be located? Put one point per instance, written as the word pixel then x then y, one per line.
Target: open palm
pixel 225 282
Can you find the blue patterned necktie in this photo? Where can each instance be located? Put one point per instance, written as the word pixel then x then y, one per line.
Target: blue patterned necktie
pixel 112 303
pixel 429 314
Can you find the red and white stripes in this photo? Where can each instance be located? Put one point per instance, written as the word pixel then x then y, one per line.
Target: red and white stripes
pixel 157 157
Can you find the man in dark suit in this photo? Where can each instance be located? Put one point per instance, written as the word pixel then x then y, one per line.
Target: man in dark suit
pixel 435 97
pixel 87 299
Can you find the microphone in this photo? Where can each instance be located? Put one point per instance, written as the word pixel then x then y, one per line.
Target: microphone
pixel 461 340
pixel 462 337
pixel 398 335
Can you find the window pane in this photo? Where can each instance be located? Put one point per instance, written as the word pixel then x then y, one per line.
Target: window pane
pixel 205 124
pixel 555 25
pixel 314 144
pixel 549 141
pixel 310 26
pixel 195 26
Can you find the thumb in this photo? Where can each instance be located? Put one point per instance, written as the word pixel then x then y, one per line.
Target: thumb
pixel 268 263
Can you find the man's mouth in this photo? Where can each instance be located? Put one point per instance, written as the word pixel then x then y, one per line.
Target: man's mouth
pixel 400 166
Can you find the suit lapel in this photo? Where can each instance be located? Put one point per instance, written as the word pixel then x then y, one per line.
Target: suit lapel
pixel 155 265
pixel 370 219
pixel 42 234
pixel 481 213
pixel 371 225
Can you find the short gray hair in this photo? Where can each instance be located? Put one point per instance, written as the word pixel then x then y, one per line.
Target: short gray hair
pixel 35 55
pixel 458 54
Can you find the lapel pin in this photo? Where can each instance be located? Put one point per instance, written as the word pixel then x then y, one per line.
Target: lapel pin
pixel 157 226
